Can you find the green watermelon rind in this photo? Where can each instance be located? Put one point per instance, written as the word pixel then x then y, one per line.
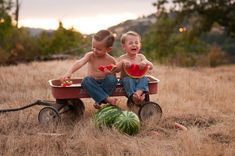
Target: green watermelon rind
pixel 106 115
pixel 127 122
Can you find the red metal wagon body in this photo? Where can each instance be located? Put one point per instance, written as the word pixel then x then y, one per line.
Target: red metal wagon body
pixel 68 99
pixel 76 91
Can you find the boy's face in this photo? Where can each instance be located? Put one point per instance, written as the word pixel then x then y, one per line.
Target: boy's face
pixel 99 48
pixel 132 45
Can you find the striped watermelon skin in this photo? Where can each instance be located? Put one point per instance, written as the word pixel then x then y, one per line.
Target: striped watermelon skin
pixel 127 122
pixel 106 115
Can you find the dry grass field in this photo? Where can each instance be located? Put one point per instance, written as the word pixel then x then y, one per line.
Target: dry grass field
pixel 202 99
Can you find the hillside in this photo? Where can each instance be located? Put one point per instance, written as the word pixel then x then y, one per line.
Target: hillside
pixel 36 31
pixel 139 25
pixel 202 99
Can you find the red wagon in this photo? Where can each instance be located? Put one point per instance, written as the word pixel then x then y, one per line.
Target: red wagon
pixel 69 99
pixel 75 92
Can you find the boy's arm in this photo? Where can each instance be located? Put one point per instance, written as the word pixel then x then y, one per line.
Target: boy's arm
pixel 76 66
pixel 119 65
pixel 145 62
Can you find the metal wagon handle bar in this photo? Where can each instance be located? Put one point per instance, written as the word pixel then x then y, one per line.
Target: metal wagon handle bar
pixel 38 102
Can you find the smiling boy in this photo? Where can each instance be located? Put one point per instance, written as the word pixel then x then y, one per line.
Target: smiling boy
pixel 98 84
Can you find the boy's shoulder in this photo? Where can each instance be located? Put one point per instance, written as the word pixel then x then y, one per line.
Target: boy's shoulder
pixel 122 56
pixel 88 54
pixel 141 56
pixel 109 56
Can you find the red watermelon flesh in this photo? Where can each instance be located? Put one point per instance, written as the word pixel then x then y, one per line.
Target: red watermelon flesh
pixel 110 67
pixel 134 71
pixel 101 68
pixel 66 83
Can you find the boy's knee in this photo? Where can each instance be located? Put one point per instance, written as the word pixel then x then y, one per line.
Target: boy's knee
pixel 126 79
pixel 112 78
pixel 86 80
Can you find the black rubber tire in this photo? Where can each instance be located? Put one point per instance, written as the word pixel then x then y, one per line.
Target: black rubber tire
pixel 48 115
pixel 76 106
pixel 150 110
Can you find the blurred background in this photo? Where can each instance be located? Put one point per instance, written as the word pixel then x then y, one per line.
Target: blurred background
pixel 175 32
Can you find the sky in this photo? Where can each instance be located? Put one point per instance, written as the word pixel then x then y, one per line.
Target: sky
pixel 86 16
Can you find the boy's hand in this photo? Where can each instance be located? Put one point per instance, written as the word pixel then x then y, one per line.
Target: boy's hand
pixel 126 63
pixel 142 65
pixel 65 77
pixel 146 63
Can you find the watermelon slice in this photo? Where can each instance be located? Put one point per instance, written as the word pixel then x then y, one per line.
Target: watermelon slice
pixel 110 67
pixel 101 68
pixel 66 83
pixel 134 71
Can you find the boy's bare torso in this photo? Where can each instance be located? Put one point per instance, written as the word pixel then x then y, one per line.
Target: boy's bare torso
pixel 95 61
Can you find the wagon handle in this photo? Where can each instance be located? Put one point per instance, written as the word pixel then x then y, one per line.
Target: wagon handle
pixel 38 102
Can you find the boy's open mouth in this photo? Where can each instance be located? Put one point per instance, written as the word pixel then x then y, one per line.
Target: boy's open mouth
pixel 133 49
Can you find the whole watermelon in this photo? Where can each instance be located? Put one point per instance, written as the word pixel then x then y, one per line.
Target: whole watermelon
pixel 106 115
pixel 127 122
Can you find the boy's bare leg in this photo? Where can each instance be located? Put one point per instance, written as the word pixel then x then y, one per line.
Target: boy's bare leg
pixel 138 96
pixel 135 98
pixel 111 100
pixel 142 97
pixel 97 106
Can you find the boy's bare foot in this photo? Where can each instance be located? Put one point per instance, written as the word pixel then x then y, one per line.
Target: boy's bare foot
pixel 135 98
pixel 138 97
pixel 139 93
pixel 97 106
pixel 142 97
pixel 111 100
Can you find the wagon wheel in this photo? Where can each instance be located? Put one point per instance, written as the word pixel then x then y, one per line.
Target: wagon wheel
pixel 48 114
pixel 77 107
pixel 150 111
pixel 135 107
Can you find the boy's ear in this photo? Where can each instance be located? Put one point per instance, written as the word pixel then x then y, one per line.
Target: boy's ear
pixel 123 46
pixel 109 49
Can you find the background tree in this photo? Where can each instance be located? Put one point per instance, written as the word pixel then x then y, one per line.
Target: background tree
pixel 183 27
pixel 62 41
pixel 204 13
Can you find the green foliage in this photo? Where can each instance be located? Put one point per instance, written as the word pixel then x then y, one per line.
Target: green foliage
pixel 203 13
pixel 183 33
pixel 165 43
pixel 17 45
pixel 6 29
pixel 61 41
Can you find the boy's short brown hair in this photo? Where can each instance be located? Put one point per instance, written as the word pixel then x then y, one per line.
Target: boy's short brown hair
pixel 132 33
pixel 105 35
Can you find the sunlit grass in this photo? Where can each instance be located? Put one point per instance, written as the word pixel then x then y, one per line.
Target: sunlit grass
pixel 202 99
